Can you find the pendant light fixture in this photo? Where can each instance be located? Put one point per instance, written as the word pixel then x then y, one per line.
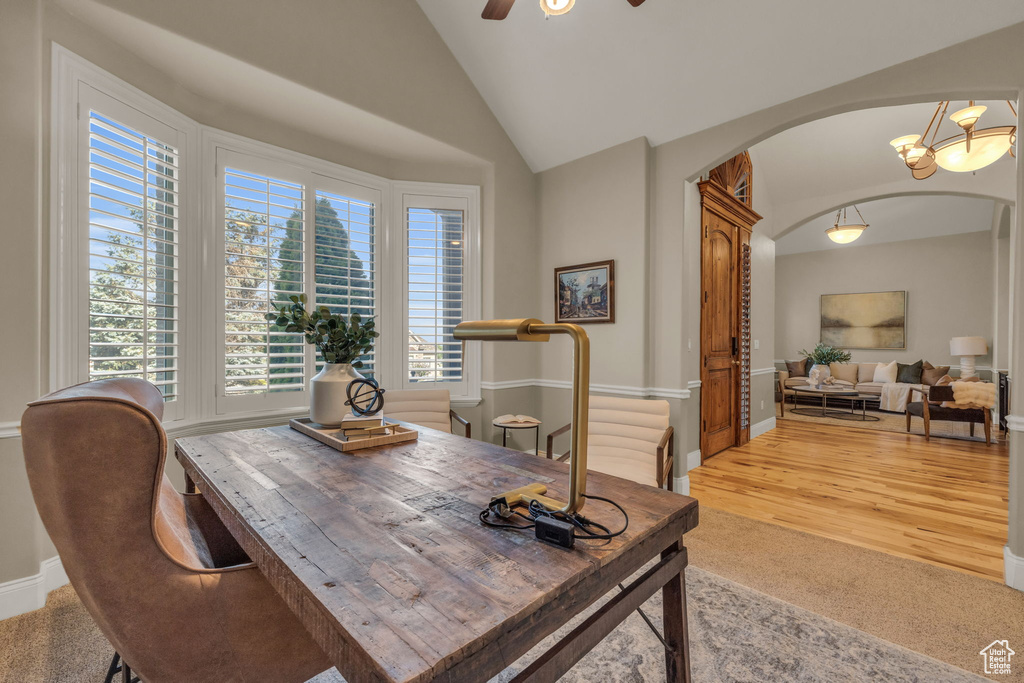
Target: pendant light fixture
pixel 968 151
pixel 553 8
pixel 847 232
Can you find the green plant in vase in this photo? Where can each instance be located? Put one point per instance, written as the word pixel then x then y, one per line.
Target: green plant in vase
pixel 340 342
pixel 822 356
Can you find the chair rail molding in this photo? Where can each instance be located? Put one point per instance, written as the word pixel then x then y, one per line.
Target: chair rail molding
pixel 29 593
pixel 762 371
pixel 617 389
pixel 10 430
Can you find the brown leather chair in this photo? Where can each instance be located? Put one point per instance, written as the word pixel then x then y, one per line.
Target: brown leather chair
pixel 158 572
pixel 930 408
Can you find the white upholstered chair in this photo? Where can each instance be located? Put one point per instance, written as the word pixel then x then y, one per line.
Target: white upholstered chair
pixel 628 438
pixel 428 408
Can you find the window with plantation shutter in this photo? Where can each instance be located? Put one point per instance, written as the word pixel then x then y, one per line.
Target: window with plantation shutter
pixel 264 253
pixel 345 259
pixel 133 255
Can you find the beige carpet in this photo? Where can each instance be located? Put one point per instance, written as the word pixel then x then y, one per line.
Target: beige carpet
pixel 942 614
pixel 897 422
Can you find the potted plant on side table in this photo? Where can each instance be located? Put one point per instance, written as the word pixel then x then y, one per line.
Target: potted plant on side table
pixel 822 356
pixel 340 343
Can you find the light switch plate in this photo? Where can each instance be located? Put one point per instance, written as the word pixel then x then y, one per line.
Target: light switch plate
pixel 757 344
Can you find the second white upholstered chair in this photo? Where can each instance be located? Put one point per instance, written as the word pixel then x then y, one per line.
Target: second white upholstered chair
pixel 629 438
pixel 428 408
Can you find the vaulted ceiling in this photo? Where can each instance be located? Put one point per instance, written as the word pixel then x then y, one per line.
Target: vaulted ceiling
pixel 606 72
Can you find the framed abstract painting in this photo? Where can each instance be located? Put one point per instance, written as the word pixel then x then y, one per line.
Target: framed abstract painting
pixel 872 320
pixel 585 293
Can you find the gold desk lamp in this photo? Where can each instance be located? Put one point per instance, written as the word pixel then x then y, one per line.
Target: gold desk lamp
pixel 531 329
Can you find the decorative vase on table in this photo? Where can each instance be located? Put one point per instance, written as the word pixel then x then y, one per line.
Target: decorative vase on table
pixel 328 393
pixel 817 375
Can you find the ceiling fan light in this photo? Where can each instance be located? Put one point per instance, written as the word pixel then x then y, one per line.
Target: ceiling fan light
pixel 987 146
pixel 968 116
pixel 556 7
pixel 844 234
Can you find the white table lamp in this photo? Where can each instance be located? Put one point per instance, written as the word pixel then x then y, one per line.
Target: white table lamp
pixel 967 348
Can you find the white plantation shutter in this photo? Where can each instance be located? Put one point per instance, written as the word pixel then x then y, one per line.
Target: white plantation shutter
pixel 435 263
pixel 133 255
pixel 264 254
pixel 345 259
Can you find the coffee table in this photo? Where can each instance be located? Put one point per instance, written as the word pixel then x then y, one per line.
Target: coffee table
pixel 851 395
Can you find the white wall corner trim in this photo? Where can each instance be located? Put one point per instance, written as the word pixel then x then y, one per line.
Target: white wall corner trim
pixel 762 371
pixel 762 427
pixel 692 459
pixel 1013 569
pixel 1015 423
pixel 682 485
pixel 28 594
pixel 10 430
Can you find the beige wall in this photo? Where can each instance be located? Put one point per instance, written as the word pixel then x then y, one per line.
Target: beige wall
pixel 947 282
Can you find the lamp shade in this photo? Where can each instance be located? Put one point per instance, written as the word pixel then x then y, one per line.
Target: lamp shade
pixel 968 346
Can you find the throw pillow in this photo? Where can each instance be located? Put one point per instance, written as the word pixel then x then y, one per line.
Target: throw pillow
pixel 797 368
pixel 931 375
pixel 885 373
pixel 844 371
pixel 866 372
pixel 909 374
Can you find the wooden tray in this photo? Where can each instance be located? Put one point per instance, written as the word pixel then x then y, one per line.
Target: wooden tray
pixel 332 435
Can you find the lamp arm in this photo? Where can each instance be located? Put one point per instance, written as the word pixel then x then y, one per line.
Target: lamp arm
pixel 580 409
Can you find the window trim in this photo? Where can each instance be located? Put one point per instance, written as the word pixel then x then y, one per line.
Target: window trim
pixel 201 273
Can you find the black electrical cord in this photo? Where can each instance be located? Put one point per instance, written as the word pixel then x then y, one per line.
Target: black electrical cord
pixel 590 529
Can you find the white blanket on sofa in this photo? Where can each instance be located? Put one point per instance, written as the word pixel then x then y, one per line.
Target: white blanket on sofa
pixel 895 397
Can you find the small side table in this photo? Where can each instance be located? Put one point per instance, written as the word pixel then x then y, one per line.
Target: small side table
pixel 505 426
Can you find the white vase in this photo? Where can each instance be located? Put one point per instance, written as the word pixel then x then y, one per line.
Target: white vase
pixel 818 374
pixel 327 393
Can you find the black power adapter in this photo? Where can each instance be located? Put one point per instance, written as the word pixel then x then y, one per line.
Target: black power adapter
pixel 555 532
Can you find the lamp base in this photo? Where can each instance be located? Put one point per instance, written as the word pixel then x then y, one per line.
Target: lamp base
pixel 967 367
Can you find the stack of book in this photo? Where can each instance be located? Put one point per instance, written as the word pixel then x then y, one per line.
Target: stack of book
pixel 357 427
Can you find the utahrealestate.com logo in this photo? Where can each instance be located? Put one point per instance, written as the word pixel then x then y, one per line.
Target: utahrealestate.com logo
pixel 997 657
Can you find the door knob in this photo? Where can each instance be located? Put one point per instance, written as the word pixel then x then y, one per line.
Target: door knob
pixel 735 362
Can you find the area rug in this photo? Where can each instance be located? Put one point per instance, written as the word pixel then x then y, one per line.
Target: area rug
pixel 737 634
pixel 897 422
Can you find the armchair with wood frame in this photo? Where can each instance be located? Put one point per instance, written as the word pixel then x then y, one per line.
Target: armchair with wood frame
pixel 429 408
pixel 930 408
pixel 629 438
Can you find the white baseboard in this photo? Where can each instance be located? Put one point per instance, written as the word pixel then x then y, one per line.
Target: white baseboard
pixel 682 484
pixel 28 594
pixel 1013 569
pixel 692 459
pixel 762 427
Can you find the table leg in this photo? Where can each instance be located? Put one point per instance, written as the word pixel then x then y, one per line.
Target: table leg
pixel 504 436
pixel 677 637
pixel 536 446
pixel 824 405
pixel 190 486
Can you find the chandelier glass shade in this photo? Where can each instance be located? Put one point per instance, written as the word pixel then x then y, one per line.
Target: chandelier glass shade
pixel 970 150
pixel 556 7
pixel 847 232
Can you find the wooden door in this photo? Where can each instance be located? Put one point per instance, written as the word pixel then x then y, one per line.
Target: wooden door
pixel 719 336
pixel 726 222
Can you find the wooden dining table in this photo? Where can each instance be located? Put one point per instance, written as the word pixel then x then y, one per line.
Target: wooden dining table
pixel 381 553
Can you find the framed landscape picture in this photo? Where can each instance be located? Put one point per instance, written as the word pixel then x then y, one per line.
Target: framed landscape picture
pixel 873 320
pixel 585 293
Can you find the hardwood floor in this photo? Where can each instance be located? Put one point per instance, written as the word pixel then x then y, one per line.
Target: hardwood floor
pixel 942 501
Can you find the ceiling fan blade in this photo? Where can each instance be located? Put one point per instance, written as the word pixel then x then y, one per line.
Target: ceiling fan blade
pixel 498 9
pixel 635 3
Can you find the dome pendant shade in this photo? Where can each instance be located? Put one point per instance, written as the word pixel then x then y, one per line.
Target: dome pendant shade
pixel 844 234
pixel 986 146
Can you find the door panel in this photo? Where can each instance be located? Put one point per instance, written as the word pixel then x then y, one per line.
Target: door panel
pixel 718 320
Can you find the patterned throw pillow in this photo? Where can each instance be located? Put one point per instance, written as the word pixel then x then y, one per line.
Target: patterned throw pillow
pixel 797 368
pixel 909 374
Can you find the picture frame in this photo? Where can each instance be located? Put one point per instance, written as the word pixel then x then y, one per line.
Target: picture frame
pixel 864 320
pixel 585 293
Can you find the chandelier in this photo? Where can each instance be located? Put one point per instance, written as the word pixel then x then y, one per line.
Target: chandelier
pixel 969 150
pixel 848 232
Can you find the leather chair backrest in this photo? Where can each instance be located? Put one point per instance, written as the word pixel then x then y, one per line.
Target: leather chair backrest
pixel 943 392
pixel 630 427
pixel 95 459
pixel 430 408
